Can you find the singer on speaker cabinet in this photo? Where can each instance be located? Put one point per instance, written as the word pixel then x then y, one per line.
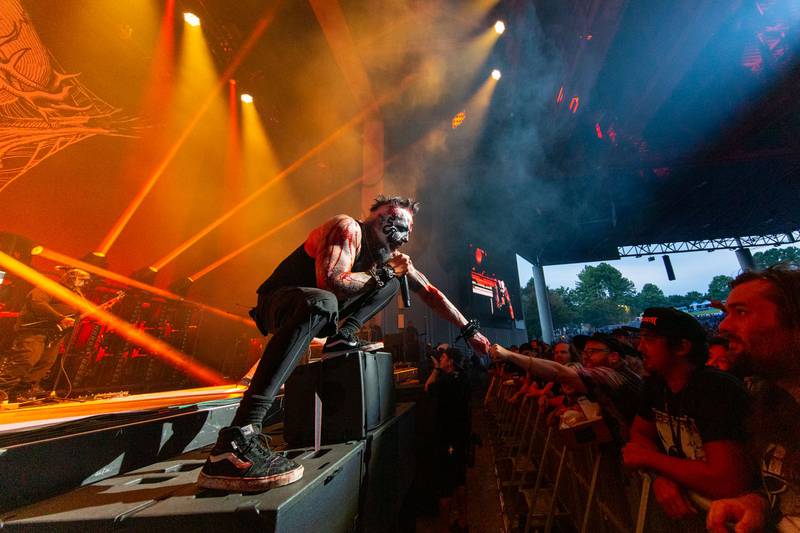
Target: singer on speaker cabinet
pixel 344 273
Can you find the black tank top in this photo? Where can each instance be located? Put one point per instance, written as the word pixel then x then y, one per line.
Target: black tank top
pixel 299 269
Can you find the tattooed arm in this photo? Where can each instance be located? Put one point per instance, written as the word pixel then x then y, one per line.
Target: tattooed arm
pixel 335 247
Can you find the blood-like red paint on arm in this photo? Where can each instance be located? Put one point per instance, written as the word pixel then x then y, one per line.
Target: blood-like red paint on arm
pixel 438 302
pixel 337 244
pixel 434 298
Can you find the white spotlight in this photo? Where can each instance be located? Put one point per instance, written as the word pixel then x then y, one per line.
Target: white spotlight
pixel 246 98
pixel 191 19
pixel 496 74
pixel 499 27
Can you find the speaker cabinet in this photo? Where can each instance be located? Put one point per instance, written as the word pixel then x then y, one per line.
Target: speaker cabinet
pixel 164 497
pixel 357 394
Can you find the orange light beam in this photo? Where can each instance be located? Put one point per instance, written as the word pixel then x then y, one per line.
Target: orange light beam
pixel 121 327
pixel 360 117
pixel 66 260
pixel 233 152
pixel 219 262
pixel 160 85
pixel 245 49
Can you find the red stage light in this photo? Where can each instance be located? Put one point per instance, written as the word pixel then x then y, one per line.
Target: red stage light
pixel 598 130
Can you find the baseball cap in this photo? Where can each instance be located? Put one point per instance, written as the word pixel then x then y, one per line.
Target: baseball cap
pixel 670 322
pixel 579 341
pixel 613 344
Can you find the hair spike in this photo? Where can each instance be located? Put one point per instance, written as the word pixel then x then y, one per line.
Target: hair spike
pixel 396 201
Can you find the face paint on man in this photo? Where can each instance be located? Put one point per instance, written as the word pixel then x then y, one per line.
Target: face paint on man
pixel 393 227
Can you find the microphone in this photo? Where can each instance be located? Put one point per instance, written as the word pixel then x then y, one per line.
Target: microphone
pixel 404 291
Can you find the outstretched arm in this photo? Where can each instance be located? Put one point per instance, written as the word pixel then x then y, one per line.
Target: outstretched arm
pixel 434 298
pixel 545 369
pixel 337 248
pixel 438 302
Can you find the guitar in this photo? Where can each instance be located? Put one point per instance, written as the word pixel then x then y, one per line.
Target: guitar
pixel 57 326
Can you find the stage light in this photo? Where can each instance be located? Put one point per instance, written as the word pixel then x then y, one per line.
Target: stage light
pixel 191 19
pixel 181 286
pixel 496 74
pixel 574 104
pixel 246 98
pixel 96 258
pixel 136 202
pixel 146 275
pixel 357 119
pixel 36 250
pixel 499 27
pixel 458 119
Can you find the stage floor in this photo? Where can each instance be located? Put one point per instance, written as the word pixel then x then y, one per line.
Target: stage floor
pixel 37 416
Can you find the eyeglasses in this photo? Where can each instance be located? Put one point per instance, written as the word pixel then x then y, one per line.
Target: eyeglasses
pixel 592 351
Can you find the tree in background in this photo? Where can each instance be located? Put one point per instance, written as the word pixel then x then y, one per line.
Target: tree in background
pixel 604 296
pixel 650 296
pixel 776 255
pixel 719 287
pixel 677 300
pixel 562 309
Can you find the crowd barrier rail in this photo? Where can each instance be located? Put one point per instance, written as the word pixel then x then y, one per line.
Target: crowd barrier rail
pixel 544 476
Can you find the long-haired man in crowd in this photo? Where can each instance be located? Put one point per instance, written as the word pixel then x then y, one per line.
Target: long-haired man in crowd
pixel 762 325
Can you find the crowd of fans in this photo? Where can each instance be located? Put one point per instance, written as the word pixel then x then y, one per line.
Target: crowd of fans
pixel 711 410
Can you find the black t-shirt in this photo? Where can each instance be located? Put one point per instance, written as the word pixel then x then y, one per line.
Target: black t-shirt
pixel 713 406
pixel 42 311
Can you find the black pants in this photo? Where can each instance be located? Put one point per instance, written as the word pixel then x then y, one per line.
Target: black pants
pixel 295 315
pixel 31 356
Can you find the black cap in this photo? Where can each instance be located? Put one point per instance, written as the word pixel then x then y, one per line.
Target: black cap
pixel 670 322
pixel 579 341
pixel 613 344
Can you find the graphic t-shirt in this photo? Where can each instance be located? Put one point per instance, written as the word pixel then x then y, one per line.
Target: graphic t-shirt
pixel 713 406
pixel 775 446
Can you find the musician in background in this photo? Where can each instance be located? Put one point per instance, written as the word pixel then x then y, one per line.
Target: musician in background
pixel 41 327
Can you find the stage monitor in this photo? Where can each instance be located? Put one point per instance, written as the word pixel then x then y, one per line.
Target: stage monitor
pixel 494 286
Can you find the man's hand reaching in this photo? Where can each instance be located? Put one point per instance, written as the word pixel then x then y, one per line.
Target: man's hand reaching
pixel 480 343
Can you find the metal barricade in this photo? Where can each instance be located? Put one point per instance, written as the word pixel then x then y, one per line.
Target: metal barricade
pixel 584 484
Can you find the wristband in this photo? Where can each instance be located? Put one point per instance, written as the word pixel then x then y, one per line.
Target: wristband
pixel 381 274
pixel 470 329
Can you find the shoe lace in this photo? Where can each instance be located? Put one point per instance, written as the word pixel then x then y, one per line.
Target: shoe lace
pixel 350 337
pixel 261 444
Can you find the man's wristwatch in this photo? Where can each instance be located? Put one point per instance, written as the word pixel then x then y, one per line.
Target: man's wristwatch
pixel 381 274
